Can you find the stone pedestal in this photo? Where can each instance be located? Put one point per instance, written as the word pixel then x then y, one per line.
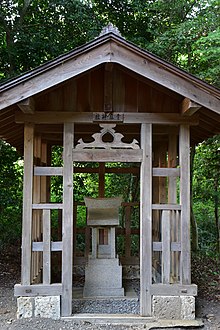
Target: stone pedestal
pixel 103 278
pixel 103 273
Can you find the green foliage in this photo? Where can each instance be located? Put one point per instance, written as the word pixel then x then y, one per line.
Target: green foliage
pixel 32 32
pixel 206 193
pixel 184 32
pixel 206 226
pixel 10 194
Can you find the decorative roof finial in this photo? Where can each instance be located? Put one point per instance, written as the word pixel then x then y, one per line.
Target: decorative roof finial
pixel 110 28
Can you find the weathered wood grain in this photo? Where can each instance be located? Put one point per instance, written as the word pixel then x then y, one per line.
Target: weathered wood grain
pixel 46 247
pixel 146 220
pixel 67 255
pixel 184 151
pixel 27 204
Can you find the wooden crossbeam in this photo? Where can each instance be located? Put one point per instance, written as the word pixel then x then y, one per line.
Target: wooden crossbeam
pixel 173 290
pixel 38 290
pixel 47 117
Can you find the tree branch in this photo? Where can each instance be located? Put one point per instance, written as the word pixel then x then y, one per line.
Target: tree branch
pixel 23 11
pixel 2 20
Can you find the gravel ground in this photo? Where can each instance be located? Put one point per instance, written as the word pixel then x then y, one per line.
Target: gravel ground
pixel 208 310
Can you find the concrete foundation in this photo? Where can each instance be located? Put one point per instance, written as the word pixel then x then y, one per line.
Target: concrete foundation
pixel 40 306
pixel 174 307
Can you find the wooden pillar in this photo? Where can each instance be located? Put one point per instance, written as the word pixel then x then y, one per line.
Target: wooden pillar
pixel 27 204
pixel 36 217
pixel 103 233
pixel 146 221
pixel 172 199
pixel 184 154
pixel 101 179
pixel 67 255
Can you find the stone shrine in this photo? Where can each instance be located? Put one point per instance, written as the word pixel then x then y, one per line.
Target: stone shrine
pixel 103 272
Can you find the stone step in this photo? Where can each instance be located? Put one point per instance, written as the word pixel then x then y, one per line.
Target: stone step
pixel 132 319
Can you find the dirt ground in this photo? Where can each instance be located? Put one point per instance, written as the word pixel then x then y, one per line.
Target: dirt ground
pixel 205 271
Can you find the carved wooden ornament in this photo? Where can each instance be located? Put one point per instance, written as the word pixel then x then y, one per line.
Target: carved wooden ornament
pixel 98 142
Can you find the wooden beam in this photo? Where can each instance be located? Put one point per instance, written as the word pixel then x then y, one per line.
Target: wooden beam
pixel 174 246
pixel 184 155
pixel 115 51
pixel 188 107
pixel 166 172
pixel 47 117
pixel 27 204
pixel 55 246
pixel 38 290
pixel 47 206
pixel 164 75
pixel 27 105
pixel 102 155
pixel 48 171
pixel 146 221
pixel 67 255
pixel 173 290
pixel 58 73
pixel 166 207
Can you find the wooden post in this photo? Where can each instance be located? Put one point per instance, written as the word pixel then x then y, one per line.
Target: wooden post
pixel 166 246
pixel 172 199
pixel 127 231
pixel 46 247
pixel 146 220
pixel 67 220
pixel 184 150
pixel 27 204
pixel 101 179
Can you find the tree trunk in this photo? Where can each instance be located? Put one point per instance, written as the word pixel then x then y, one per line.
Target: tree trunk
pixel 194 229
pixel 217 220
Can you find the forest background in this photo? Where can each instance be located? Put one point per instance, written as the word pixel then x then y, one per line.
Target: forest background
pixel 183 32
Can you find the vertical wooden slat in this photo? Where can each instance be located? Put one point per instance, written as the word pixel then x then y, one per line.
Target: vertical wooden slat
pixel 127 231
pixel 67 255
pixel 162 180
pixel 184 150
pixel 166 247
pixel 27 204
pixel 46 247
pixel 103 233
pixel 146 220
pixel 74 229
pixel 172 197
pixel 178 239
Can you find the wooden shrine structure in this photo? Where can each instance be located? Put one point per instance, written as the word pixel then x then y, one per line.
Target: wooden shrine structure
pixel 153 112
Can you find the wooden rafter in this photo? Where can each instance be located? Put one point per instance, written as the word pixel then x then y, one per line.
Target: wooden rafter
pixel 188 107
pixel 27 105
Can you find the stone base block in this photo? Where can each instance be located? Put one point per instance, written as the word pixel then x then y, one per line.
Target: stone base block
pixel 25 307
pixel 40 306
pixel 103 278
pixel 174 307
